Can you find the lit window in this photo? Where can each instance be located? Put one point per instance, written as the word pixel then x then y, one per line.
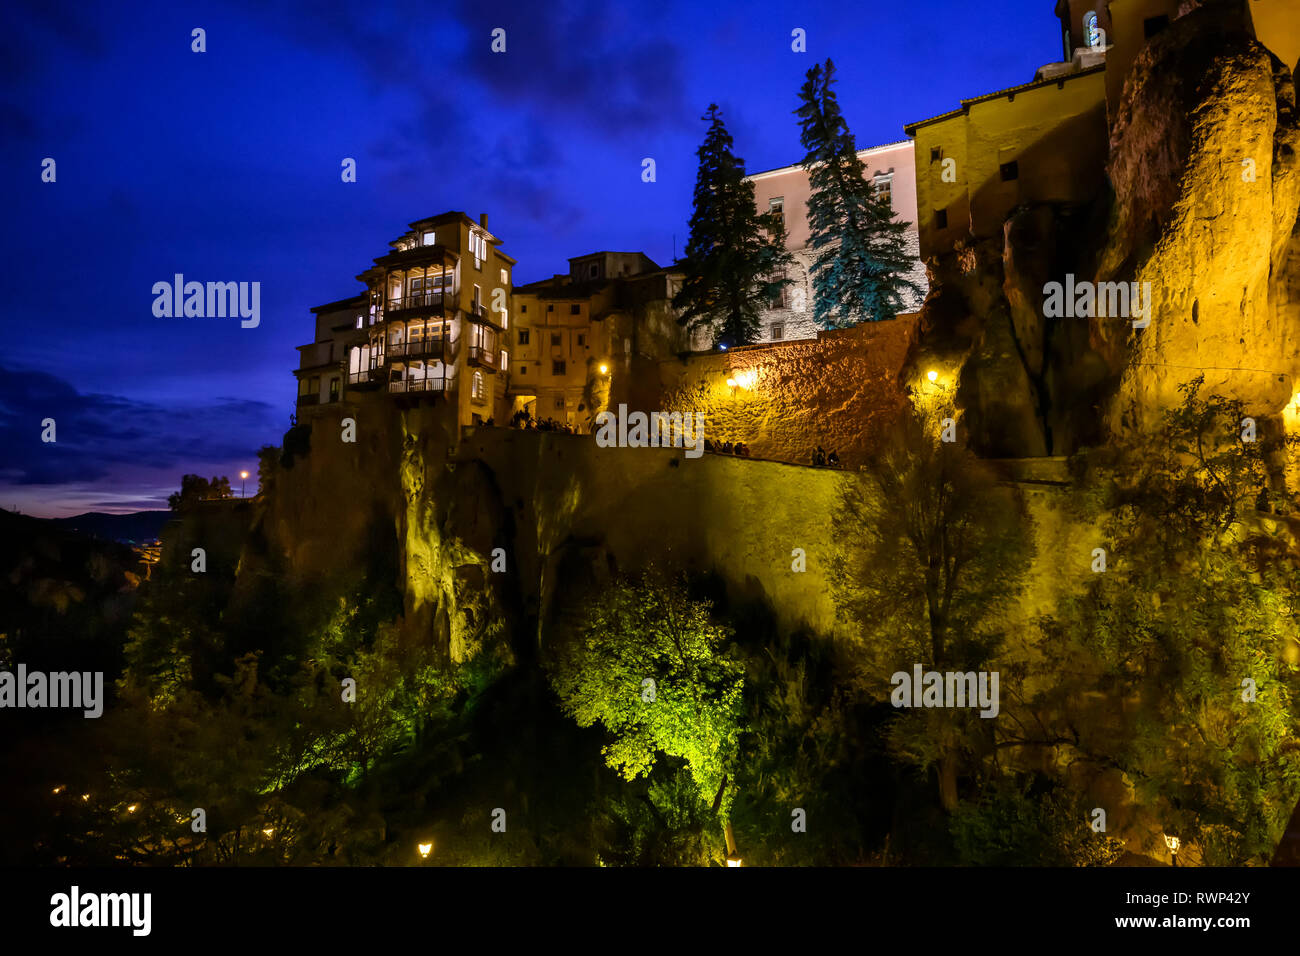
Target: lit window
pixel 476 390
pixel 884 187
pixel 505 361
pixel 1091 32
pixel 505 278
pixel 430 238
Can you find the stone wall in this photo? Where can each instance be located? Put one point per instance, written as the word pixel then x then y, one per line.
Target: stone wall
pixel 841 390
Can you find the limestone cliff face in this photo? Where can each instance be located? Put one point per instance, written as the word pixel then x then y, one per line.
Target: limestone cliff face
pixel 389 503
pixel 1204 169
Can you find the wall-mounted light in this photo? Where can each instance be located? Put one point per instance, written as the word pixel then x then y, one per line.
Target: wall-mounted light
pixel 604 369
pixel 932 375
pixel 425 849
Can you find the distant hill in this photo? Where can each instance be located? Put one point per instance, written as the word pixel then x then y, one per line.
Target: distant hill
pixel 136 527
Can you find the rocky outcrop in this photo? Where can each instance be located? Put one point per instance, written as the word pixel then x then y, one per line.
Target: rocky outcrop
pixel 1204 169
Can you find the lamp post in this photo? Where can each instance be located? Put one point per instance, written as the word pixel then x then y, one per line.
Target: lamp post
pixel 733 855
pixel 243 477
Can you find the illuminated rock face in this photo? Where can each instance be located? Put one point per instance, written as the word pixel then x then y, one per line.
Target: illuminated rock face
pixel 1204 168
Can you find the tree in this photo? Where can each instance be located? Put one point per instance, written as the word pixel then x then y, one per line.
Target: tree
pixel 862 262
pixel 931 553
pixel 197 488
pixel 734 254
pixel 1190 637
pixel 646 662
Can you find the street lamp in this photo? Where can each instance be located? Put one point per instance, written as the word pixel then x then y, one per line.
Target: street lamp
pixel 1173 843
pixel 243 477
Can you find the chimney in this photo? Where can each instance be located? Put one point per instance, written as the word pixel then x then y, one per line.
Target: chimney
pixel 482 220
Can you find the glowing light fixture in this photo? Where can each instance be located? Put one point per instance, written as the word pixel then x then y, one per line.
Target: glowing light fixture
pixel 268 831
pixel 131 808
pixel 604 369
pixel 734 859
pixel 731 383
pixel 59 789
pixel 85 797
pixel 932 375
pixel 425 849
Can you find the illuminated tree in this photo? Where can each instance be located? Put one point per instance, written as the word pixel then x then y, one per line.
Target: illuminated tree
pixel 931 553
pixel 646 661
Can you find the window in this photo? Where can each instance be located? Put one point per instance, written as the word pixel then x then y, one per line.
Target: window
pixel 559 401
pixel 778 331
pixel 477 301
pixel 1010 171
pixel 550 307
pixel 582 339
pixel 936 153
pixel 575 310
pixel 776 207
pixel 523 370
pixel 1091 32
pixel 476 390
pixel 592 273
pixel 523 308
pixel 523 336
pixel 557 367
pixel 430 238
pixel 555 340
pixel 777 298
pixel 334 389
pixel 359 320
pixel 884 189
pixel 941 219
pixel 505 360
pixel 505 277
pixel 314 387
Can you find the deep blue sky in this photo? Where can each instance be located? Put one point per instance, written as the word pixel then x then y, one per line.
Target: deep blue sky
pixel 225 166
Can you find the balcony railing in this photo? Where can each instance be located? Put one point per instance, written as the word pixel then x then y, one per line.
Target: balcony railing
pixel 358 378
pixel 483 356
pixel 423 347
pixel 312 398
pixel 421 300
pixel 418 385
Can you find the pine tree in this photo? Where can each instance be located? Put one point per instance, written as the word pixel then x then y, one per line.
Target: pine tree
pixel 860 272
pixel 734 254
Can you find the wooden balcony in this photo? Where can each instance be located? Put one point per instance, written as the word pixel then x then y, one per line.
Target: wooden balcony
pixel 482 357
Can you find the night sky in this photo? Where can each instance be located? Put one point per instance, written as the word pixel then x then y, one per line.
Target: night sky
pixel 225 166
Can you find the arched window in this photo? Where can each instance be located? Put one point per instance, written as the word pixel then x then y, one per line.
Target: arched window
pixel 1092 34
pixel 476 387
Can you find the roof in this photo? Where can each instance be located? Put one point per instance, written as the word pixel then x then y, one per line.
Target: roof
pixel 861 152
pixel 348 303
pixel 911 128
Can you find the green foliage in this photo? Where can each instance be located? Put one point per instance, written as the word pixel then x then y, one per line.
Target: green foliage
pixel 733 254
pixel 862 261
pixel 1012 825
pixel 648 628
pixel 1194 602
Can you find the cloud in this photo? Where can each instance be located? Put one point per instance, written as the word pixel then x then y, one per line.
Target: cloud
pixel 97 434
